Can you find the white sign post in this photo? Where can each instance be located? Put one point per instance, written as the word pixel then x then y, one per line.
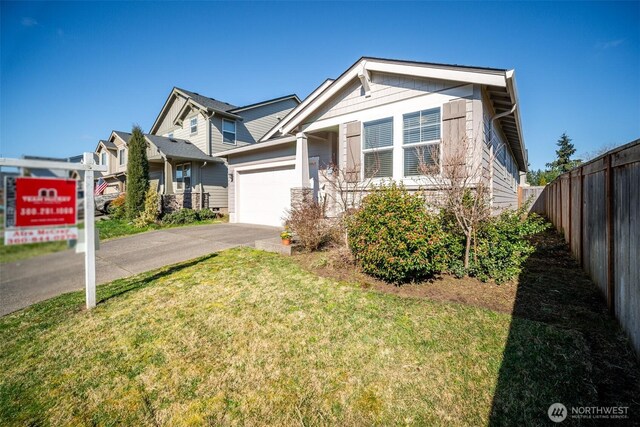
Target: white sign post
pixel 88 165
pixel 89 233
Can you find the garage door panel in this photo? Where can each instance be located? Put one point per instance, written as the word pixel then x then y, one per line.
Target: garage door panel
pixel 264 195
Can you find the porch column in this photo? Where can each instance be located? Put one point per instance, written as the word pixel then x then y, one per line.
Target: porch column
pixel 168 177
pixel 302 161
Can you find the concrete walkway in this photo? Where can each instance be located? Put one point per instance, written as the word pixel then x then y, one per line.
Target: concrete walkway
pixel 26 282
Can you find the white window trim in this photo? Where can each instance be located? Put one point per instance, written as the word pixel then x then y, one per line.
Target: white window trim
pixel 106 158
pixel 191 132
pixel 235 132
pixel 178 183
pixel 122 158
pixel 421 144
pixel 391 148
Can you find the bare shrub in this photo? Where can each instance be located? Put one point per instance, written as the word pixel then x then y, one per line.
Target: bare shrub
pixel 309 225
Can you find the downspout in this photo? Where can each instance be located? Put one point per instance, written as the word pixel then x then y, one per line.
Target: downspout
pixel 493 153
pixel 201 186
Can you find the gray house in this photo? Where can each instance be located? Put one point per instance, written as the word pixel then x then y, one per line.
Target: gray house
pixel 383 112
pixel 188 129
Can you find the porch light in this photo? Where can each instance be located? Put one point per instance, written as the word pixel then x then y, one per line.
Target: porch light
pixel 230 177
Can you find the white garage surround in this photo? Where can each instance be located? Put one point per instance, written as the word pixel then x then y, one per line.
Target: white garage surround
pixel 263 193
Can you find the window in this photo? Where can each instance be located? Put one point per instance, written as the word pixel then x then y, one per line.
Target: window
pixel 228 131
pixel 183 176
pixel 421 142
pixel 103 158
pixel 122 156
pixel 378 148
pixel 194 125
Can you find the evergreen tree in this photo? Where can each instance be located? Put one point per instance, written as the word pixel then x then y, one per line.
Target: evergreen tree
pixel 137 173
pixel 564 162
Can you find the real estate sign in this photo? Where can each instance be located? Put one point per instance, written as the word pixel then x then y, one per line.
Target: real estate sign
pixel 35 205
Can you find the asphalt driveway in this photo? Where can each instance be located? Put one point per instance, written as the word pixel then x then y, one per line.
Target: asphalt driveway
pixel 26 282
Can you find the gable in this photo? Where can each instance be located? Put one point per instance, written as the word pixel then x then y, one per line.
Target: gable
pixel 167 119
pixel 384 89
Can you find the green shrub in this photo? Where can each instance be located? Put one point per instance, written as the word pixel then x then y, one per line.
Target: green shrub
pixel 182 216
pixel 207 214
pixel 394 238
pixel 501 246
pixel 151 209
pixel 116 209
pixel 137 173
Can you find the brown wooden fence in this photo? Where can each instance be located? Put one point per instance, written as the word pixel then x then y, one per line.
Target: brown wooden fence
pixel 597 208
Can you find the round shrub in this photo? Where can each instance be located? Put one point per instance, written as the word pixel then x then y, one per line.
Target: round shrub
pixel 394 238
pixel 116 209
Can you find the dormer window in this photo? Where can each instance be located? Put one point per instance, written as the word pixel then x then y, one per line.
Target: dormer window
pixel 228 131
pixel 194 125
pixel 103 158
pixel 122 157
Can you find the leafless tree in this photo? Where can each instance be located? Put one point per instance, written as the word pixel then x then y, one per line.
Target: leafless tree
pixel 457 180
pixel 344 188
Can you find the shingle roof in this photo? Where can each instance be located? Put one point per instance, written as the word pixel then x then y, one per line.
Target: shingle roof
pixel 178 148
pixel 110 145
pixel 125 136
pixel 214 104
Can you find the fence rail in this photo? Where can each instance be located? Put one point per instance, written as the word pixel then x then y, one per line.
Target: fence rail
pixel 597 208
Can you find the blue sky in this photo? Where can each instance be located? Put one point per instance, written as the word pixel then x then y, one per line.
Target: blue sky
pixel 72 72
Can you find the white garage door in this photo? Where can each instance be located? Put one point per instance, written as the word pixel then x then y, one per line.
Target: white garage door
pixel 264 195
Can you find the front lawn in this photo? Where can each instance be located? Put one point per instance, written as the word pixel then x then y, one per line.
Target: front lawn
pixel 107 227
pixel 250 338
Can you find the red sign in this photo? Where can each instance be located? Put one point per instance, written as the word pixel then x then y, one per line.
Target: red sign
pixel 45 202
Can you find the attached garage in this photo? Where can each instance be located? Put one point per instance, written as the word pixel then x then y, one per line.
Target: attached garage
pixel 264 195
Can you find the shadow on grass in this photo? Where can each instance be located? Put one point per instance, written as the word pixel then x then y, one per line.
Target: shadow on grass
pixel 122 286
pixel 563 346
pixel 25 323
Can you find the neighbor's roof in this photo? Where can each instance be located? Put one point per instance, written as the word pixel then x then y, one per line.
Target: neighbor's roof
pixel 107 144
pixel 292 96
pixel 179 148
pixel 125 136
pixel 207 102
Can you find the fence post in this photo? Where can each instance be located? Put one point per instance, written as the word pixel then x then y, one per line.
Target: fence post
pixel 569 216
pixel 581 249
pixel 610 244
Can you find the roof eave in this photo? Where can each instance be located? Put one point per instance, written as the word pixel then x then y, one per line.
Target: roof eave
pixel 257 146
pixel 490 77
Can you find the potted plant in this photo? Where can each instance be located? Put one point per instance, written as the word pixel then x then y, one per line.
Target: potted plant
pixel 286 237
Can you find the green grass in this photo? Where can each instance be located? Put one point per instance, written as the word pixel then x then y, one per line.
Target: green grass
pixel 108 229
pixel 249 338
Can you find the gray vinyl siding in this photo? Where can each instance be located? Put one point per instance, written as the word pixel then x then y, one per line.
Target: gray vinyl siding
pixel 254 124
pixel 215 182
pixel 258 121
pixel 166 124
pixel 199 139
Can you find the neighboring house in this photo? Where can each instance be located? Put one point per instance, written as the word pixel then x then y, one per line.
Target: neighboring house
pixel 381 112
pixel 179 145
pixel 50 173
